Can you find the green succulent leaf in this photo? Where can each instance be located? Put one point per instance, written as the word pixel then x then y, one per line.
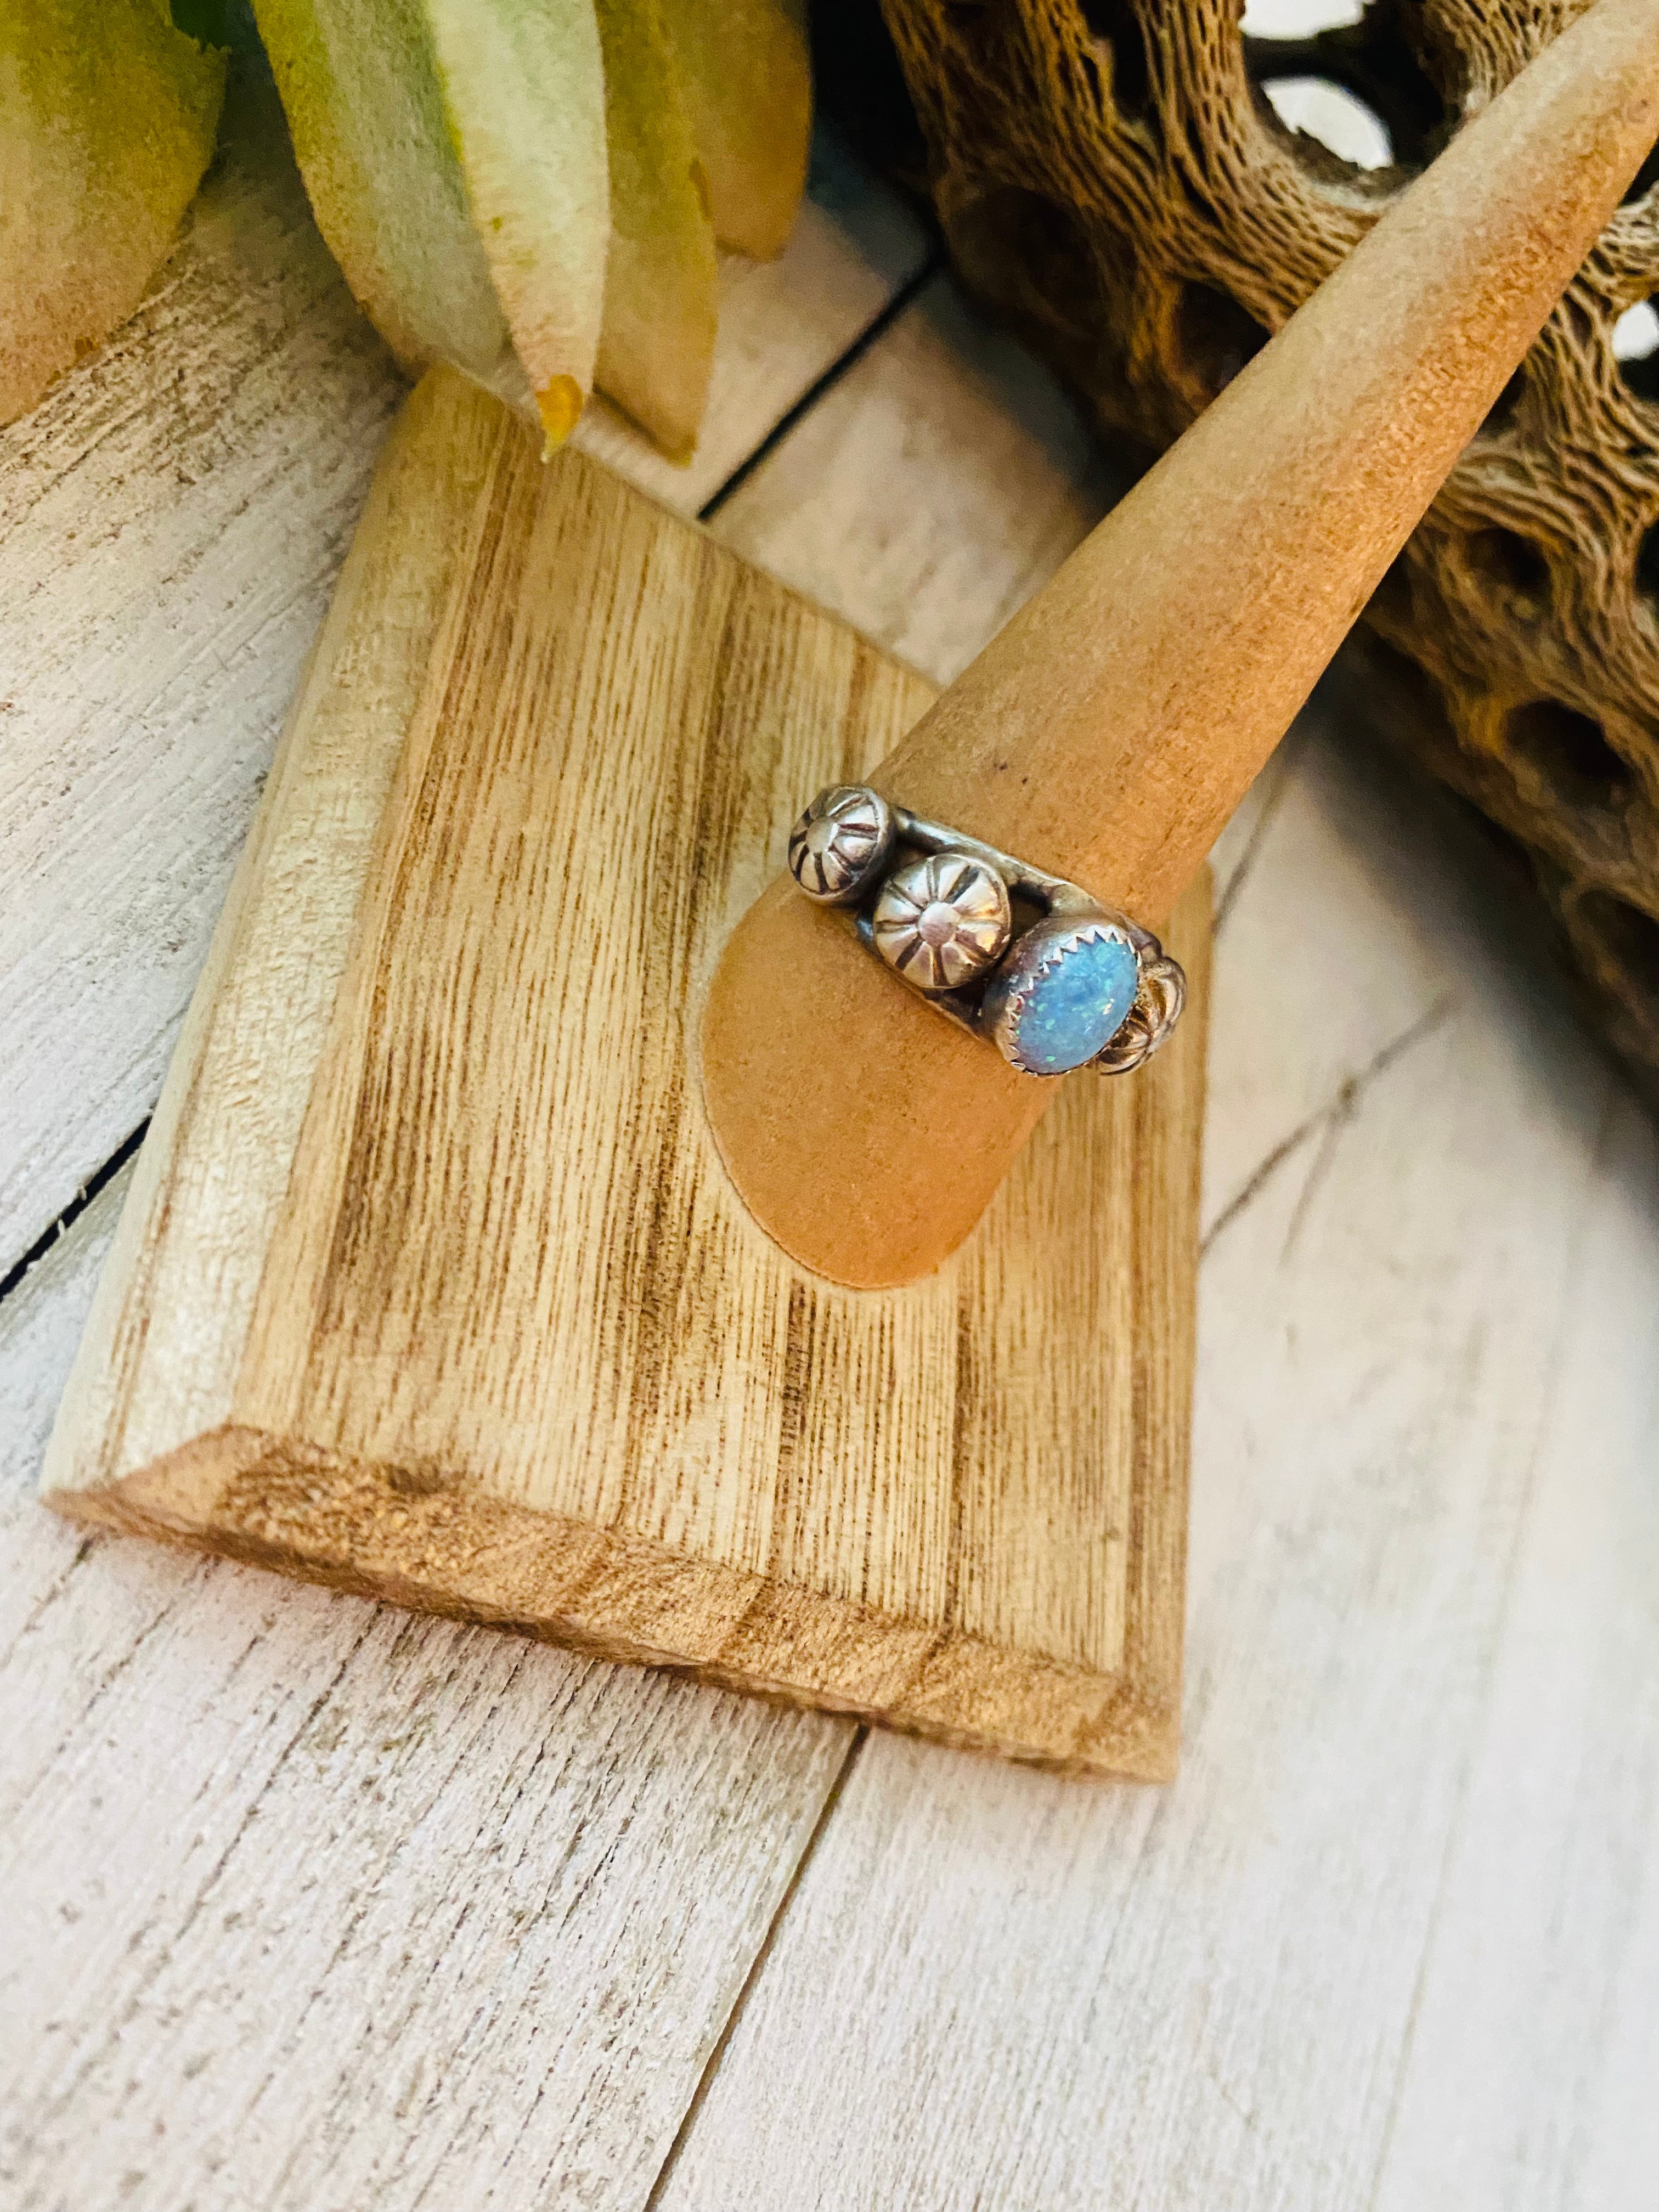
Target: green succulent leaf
pixel 454 152
pixel 749 93
pixel 107 119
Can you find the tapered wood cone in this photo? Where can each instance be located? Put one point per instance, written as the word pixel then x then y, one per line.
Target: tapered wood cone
pixel 1113 726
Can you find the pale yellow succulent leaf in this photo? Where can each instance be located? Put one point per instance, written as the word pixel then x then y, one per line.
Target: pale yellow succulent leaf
pixel 107 118
pixel 359 80
pixel 749 93
pixel 658 337
pixel 523 82
pixel 454 152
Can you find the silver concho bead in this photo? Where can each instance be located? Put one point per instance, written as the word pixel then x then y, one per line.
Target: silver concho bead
pixel 839 843
pixel 944 921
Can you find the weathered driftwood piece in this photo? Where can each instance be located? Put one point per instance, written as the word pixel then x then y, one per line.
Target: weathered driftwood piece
pixel 430 1283
pixel 1113 180
pixel 1112 727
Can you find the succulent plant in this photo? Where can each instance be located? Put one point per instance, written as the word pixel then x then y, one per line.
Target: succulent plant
pixel 532 191
pixel 107 118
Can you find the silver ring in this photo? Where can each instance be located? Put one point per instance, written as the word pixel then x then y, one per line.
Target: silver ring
pixel 1054 980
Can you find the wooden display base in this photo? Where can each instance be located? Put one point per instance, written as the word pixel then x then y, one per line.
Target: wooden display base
pixel 431 1284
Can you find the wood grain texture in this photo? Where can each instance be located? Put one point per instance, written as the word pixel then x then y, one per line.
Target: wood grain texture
pixel 380 1314
pixel 1108 730
pixel 172 518
pixel 313 1906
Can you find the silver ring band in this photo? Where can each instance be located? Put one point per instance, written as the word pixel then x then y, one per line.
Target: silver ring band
pixel 1054 980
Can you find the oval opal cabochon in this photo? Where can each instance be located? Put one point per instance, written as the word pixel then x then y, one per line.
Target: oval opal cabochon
pixel 1075 1004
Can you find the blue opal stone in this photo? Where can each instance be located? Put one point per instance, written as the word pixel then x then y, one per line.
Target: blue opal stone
pixel 1076 1005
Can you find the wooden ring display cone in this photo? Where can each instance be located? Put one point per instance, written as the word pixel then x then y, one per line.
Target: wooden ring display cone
pixel 1109 731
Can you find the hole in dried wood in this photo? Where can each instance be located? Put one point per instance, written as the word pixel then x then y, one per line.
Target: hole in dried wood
pixel 1406 700
pixel 1568 751
pixel 1626 936
pixel 1339 120
pixel 1117 28
pixel 1026 249
pixel 1365 57
pixel 1636 333
pixel 1514 563
pixel 1392 599
pixel 1647 563
pixel 1635 349
pixel 1217 336
pixel 1299 19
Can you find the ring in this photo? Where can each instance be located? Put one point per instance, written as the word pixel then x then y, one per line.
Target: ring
pixel 1054 980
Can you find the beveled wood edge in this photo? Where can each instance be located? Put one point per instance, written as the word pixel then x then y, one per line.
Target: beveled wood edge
pixel 409 1536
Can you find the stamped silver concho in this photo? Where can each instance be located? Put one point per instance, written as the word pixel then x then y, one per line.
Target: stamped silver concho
pixel 1078 986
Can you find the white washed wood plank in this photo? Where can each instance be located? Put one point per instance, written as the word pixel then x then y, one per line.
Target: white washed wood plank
pixel 991 1988
pixel 311 1904
pixel 171 519
pixel 1533 2058
pixel 1339 964
pixel 950 476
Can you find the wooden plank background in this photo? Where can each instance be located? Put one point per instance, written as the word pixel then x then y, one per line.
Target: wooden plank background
pixel 309 1905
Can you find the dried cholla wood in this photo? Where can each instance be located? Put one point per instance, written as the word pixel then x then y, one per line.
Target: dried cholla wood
pixel 1112 177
